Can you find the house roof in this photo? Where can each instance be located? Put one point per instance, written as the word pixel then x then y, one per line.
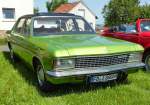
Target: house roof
pixel 64 8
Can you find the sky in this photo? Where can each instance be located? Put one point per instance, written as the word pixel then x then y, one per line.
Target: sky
pixel 95 5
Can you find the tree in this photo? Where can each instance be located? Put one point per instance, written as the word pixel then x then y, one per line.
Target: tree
pixel 51 6
pixel 145 11
pixel 36 10
pixel 121 11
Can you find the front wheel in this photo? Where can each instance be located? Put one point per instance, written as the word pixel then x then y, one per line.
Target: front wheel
pixel 42 82
pixel 122 78
pixel 147 61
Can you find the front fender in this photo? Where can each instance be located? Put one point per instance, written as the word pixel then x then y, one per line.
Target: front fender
pixel 45 59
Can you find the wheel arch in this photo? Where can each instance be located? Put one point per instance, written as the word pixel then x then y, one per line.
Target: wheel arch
pixel 35 60
pixel 145 53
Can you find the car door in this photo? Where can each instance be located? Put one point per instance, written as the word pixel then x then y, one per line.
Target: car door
pixel 131 37
pixel 22 39
pixel 144 30
pixel 26 45
pixel 129 34
pixel 16 36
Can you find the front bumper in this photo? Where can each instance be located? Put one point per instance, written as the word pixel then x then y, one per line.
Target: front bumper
pixel 68 76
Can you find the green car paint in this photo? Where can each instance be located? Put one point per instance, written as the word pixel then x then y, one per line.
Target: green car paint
pixel 72 45
pixel 77 45
pixel 49 48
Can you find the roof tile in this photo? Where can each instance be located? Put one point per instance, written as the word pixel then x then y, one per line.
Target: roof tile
pixel 65 8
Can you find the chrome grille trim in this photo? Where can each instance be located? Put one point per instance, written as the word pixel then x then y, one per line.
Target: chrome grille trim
pixel 100 61
pixel 109 69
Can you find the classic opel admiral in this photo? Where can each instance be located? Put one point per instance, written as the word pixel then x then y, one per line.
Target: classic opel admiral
pixel 63 48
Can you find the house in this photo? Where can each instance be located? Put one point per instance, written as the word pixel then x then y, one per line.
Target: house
pixel 78 8
pixel 11 10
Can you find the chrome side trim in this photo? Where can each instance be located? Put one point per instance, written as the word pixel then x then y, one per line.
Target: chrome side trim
pixel 84 71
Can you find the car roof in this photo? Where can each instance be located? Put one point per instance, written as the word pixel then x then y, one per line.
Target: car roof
pixel 48 14
pixel 145 19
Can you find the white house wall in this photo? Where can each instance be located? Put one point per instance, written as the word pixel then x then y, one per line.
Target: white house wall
pixel 88 15
pixel 22 7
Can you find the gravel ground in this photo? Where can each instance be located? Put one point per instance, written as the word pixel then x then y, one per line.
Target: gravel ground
pixel 4 48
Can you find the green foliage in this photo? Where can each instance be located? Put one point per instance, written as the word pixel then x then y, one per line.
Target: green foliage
pixel 51 6
pixel 124 11
pixel 36 10
pixel 145 11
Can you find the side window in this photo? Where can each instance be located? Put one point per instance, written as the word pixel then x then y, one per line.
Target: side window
pixel 26 27
pixel 19 26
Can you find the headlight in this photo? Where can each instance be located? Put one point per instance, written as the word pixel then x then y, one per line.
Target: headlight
pixel 136 57
pixel 64 63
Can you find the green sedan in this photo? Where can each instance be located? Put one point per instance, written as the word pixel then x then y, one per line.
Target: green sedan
pixel 63 48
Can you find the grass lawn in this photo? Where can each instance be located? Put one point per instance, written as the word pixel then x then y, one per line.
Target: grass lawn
pixel 18 87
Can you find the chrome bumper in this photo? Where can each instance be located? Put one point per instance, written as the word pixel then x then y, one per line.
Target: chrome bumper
pixel 101 70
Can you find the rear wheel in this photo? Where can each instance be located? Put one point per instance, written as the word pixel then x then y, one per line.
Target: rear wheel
pixel 147 61
pixel 11 53
pixel 42 82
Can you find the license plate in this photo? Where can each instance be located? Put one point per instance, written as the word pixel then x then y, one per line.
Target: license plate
pixel 103 78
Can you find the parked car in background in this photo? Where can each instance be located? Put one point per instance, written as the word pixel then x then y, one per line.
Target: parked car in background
pixel 137 33
pixel 63 48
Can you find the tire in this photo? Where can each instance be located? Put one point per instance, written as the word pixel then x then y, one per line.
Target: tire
pixel 122 78
pixel 12 55
pixel 41 80
pixel 147 61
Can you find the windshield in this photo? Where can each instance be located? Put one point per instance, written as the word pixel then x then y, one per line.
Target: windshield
pixel 145 25
pixel 60 25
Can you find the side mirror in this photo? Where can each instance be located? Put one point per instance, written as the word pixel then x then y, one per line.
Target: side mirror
pixel 8 32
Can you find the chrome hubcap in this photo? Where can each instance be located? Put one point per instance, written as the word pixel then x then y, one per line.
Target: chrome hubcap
pixel 40 75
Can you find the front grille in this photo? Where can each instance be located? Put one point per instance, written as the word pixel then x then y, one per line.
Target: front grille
pixel 100 61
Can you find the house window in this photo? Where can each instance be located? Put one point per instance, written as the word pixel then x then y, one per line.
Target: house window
pixel 81 12
pixel 8 13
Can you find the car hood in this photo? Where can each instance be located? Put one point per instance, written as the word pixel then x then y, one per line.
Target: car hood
pixel 73 45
